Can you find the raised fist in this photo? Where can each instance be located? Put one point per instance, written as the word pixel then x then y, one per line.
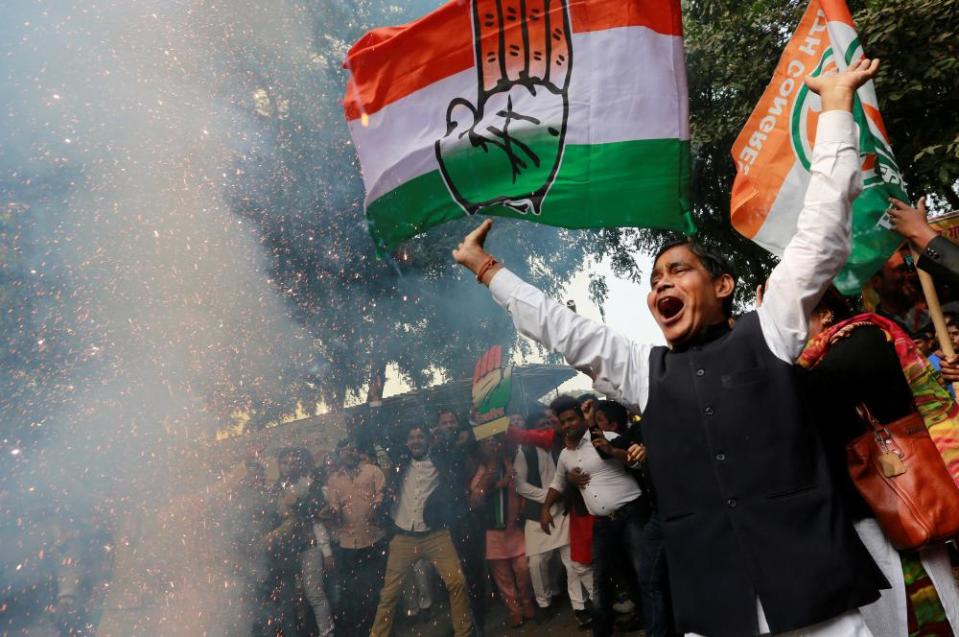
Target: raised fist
pixel 505 146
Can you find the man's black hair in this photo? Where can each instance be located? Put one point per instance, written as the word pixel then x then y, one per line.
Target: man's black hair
pixel 582 398
pixel 534 418
pixel 447 410
pixel 302 453
pixel 836 303
pixel 615 413
pixel 410 428
pixel 565 403
pixel 715 263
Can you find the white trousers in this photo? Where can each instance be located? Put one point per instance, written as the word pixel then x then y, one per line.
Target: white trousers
pixel 578 577
pixel 849 624
pixel 311 574
pixel 542 571
pixel 887 616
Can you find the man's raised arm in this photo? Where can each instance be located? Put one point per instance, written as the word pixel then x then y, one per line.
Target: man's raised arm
pixel 619 367
pixel 822 243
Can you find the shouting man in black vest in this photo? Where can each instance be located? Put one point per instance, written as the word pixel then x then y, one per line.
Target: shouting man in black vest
pixel 757 540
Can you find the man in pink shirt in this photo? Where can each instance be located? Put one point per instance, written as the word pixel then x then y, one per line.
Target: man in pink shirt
pixel 355 496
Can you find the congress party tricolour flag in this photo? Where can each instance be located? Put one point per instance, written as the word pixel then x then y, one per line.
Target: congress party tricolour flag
pixel 566 112
pixel 774 150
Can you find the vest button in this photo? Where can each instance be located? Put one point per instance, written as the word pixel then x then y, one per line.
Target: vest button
pixel 720 456
pixel 731 503
pixel 700 372
pixel 710 411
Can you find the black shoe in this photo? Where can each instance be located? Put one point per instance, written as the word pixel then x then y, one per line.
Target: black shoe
pixel 583 617
pixel 545 613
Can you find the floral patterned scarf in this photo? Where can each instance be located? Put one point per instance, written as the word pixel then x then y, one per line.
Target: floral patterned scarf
pixel 929 395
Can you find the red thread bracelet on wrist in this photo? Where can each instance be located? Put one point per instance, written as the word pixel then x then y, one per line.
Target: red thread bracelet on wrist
pixel 489 263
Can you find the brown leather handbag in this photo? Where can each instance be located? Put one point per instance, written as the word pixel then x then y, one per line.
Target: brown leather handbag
pixel 903 479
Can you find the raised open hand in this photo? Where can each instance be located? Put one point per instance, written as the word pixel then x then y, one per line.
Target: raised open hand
pixel 837 89
pixel 505 148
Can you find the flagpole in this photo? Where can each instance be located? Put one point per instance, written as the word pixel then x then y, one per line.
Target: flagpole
pixel 935 312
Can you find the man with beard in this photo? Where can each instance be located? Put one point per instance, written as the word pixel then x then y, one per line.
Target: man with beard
pixel 610 494
pixel 757 538
pixel 535 468
pixel 898 288
pixel 429 488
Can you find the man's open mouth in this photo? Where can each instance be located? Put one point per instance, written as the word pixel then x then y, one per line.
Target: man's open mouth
pixel 669 306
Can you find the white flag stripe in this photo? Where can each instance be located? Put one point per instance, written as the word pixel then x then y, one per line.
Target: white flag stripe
pixel 610 69
pixel 781 222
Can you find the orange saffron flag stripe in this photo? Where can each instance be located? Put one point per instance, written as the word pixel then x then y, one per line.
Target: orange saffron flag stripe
pixel 766 147
pixel 389 63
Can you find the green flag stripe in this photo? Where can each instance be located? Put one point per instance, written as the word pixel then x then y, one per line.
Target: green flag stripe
pixel 871 244
pixel 635 183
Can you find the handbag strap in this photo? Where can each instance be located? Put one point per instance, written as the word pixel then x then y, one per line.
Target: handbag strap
pixel 866 414
pixel 884 438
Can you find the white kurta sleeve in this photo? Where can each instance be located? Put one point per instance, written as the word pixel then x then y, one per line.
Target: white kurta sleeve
pixel 619 366
pixel 822 242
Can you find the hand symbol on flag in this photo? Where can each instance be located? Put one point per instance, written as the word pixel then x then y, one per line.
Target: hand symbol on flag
pixel 507 147
pixel 491 386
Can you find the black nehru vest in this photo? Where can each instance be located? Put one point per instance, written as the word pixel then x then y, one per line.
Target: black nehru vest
pixel 531 508
pixel 744 491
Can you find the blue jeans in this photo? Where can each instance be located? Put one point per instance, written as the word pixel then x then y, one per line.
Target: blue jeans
pixel 654 579
pixel 614 539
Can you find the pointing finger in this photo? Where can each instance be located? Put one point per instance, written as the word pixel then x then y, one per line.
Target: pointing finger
pixel 489 362
pixel 478 236
pixel 487 32
pixel 514 40
pixel 497 358
pixel 537 45
pixel 491 359
pixel 560 44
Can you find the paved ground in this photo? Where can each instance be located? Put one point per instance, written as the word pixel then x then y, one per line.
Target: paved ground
pixel 497 625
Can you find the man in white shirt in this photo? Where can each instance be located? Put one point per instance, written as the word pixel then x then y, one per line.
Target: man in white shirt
pixel 611 494
pixel 757 539
pixel 421 516
pixel 535 468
